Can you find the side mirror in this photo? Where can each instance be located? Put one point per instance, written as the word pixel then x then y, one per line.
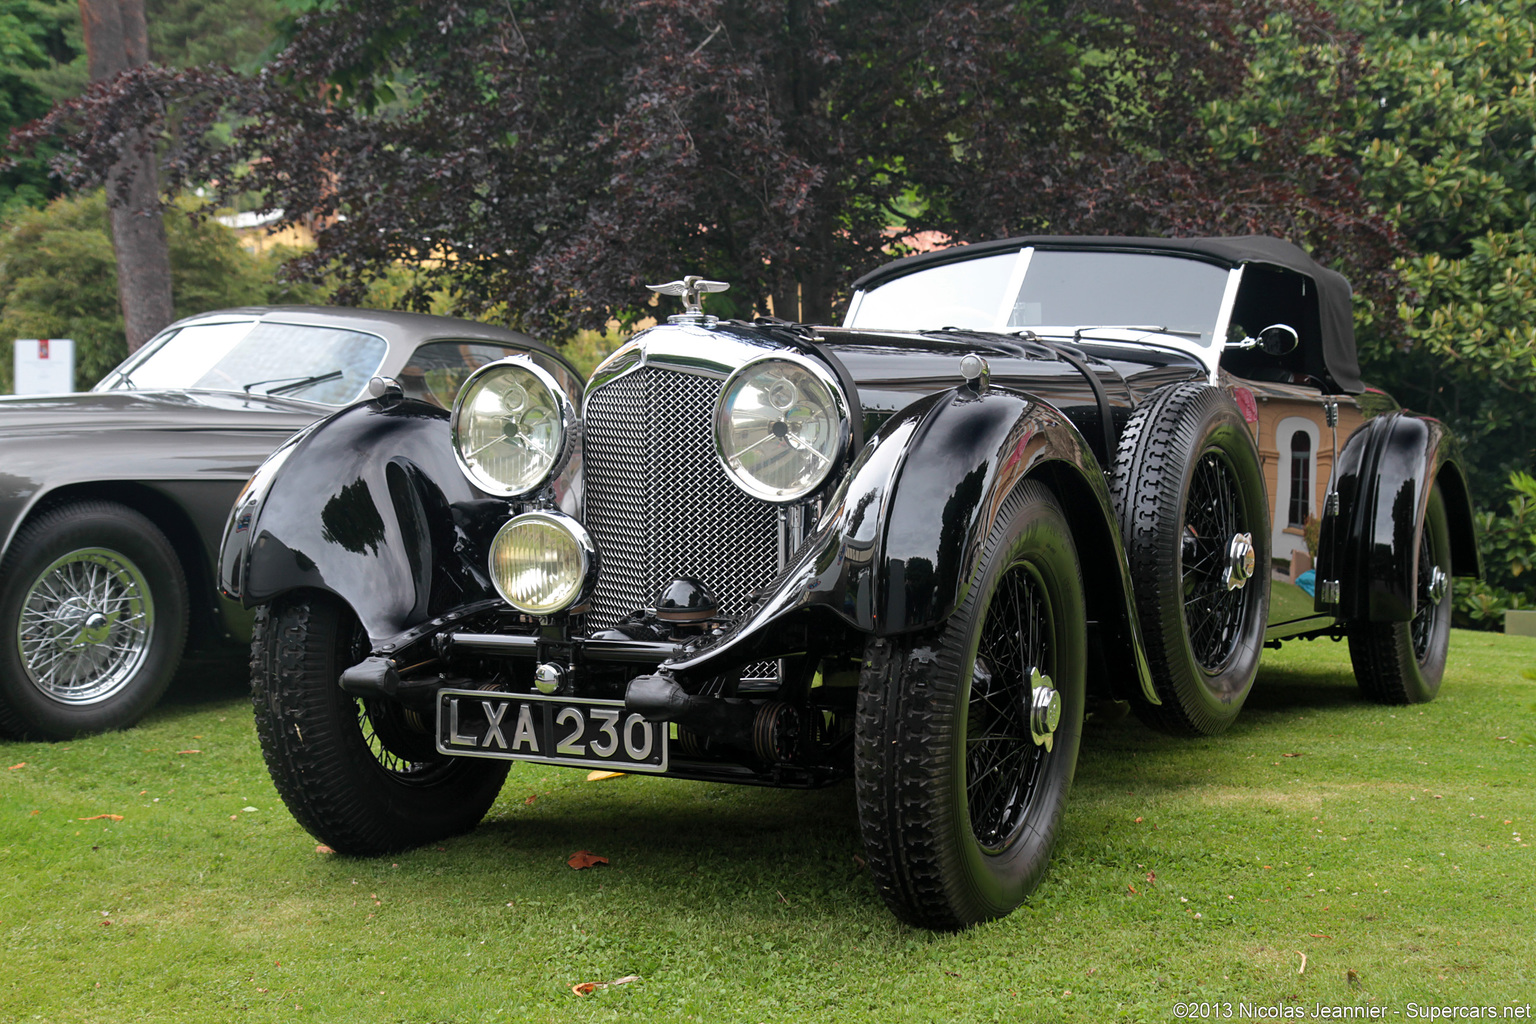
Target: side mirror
pixel 1274 340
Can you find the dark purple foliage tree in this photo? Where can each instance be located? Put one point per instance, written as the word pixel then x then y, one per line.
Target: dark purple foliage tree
pixel 545 159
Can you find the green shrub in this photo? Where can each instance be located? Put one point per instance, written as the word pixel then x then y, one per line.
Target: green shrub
pixel 58 279
pixel 1508 544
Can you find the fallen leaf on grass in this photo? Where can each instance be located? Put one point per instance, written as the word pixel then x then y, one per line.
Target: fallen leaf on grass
pixel 585 859
pixel 98 817
pixel 599 776
pixel 1290 755
pixel 1131 887
pixel 13 767
pixel 1303 968
pixel 1310 935
pixel 529 802
pixel 1151 877
pixel 861 863
pixel 586 988
pixel 322 848
pixel 189 751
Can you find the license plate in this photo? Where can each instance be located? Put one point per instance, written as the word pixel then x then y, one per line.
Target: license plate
pixel 550 730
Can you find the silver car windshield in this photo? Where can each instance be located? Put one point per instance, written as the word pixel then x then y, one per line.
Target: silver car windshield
pixel 1052 292
pixel 316 364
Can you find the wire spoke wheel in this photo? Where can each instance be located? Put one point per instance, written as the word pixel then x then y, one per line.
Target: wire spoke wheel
pixel 85 626
pixel 360 774
pixel 1003 761
pixel 966 738
pixel 1214 610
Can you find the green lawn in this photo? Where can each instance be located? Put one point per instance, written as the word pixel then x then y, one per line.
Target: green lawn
pixel 1392 848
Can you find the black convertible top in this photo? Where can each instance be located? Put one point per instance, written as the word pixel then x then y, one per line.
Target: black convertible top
pixel 1333 291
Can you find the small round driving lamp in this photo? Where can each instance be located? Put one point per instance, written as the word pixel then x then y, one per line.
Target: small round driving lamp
pixel 781 427
pixel 541 562
pixel 511 425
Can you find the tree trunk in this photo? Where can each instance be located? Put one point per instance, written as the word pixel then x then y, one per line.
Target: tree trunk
pixel 116 39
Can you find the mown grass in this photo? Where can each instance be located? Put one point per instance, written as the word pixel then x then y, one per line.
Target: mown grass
pixel 1394 848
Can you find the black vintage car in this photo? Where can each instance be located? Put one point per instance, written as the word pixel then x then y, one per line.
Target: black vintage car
pixel 1022 476
pixel 112 501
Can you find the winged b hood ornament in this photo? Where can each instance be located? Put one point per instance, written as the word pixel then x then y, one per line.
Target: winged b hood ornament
pixel 692 289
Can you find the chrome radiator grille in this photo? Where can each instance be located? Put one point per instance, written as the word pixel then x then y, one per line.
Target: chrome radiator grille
pixel 657 502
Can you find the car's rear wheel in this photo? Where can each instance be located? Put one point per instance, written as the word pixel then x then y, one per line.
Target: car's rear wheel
pixel 93 617
pixel 1403 662
pixel 966 740
pixel 362 776
pixel 1195 520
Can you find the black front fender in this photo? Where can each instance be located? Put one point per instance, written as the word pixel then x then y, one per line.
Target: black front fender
pixel 368 504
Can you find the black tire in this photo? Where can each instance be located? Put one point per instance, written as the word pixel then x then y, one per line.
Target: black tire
pixel 361 776
pixel 950 846
pixel 1403 662
pixel 93 618
pixel 1187 486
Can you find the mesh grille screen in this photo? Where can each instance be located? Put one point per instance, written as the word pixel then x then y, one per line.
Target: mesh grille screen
pixel 657 502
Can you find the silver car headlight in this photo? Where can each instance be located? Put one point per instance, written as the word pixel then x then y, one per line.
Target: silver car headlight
pixel 512 427
pixel 781 427
pixel 542 562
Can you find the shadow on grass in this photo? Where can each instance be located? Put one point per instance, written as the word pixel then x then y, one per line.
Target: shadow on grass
pixel 212 674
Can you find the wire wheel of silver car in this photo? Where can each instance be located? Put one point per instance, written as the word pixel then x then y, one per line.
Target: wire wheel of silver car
pixel 362 776
pixel 93 613
pixel 1404 662
pixel 966 739
pixel 1190 497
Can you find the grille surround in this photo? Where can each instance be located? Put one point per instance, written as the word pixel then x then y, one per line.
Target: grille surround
pixel 657 502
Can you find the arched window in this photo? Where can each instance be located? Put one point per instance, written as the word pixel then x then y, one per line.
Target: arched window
pixel 1301 479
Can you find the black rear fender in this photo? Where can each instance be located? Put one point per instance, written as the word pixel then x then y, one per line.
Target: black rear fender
pixel 1384 478
pixel 370 505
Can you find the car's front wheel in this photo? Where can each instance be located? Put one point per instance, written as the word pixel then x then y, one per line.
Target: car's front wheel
pixel 1403 662
pixel 966 739
pixel 93 616
pixel 362 776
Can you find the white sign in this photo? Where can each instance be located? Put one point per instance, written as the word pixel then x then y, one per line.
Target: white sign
pixel 45 366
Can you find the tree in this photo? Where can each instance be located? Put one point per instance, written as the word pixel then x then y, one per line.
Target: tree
pixel 58 279
pixel 1434 103
pixel 117 39
pixel 545 159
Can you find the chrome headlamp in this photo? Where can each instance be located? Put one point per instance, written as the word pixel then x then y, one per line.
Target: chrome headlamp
pixel 512 427
pixel 542 562
pixel 781 427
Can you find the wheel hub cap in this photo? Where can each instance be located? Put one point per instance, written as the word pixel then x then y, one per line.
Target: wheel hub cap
pixel 1044 709
pixel 1240 561
pixel 1438 582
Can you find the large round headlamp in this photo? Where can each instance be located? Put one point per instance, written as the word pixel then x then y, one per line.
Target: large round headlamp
pixel 541 562
pixel 781 426
pixel 512 427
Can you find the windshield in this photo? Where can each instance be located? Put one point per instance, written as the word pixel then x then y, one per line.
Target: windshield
pixel 317 364
pixel 1065 290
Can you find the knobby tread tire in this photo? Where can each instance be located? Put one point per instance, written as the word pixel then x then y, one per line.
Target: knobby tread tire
pixel 1387 668
pixel 912 698
pixel 1149 481
pixel 315 751
pixel 25 712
